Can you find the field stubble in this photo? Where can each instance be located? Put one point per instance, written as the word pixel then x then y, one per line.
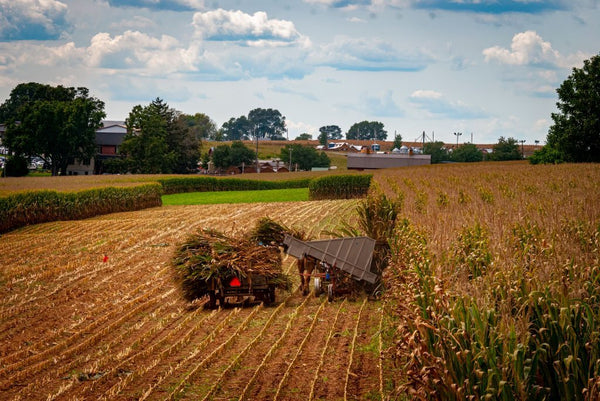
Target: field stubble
pixel 75 327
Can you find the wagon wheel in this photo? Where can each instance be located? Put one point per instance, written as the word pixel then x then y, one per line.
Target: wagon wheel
pixel 212 300
pixel 269 297
pixel 330 292
pixel 317 284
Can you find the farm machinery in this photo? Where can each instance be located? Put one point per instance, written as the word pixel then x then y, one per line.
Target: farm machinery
pixel 334 260
pixel 228 270
pixel 240 288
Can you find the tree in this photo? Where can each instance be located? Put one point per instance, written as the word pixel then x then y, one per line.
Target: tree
pixel 57 124
pixel 306 157
pixel 159 141
pixel 467 153
pixel 546 155
pixel 16 166
pixel 221 156
pixel 333 132
pixel 237 129
pixel 397 142
pixel 575 133
pixel 367 130
pixel 436 150
pixel 240 153
pixel 506 149
pixel 323 139
pixel 224 156
pixel 304 137
pixel 267 123
pixel 200 125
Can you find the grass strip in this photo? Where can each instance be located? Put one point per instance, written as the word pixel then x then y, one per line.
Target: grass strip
pixel 209 198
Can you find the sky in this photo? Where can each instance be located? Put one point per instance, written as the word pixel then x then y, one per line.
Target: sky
pixel 482 68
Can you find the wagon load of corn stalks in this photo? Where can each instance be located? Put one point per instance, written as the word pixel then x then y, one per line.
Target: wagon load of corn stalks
pixel 270 232
pixel 210 256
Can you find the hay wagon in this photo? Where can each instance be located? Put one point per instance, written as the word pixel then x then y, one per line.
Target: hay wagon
pixel 334 260
pixel 239 289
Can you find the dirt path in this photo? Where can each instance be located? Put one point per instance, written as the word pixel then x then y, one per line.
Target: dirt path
pixel 75 327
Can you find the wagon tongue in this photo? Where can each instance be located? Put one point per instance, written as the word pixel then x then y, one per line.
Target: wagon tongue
pixel 235 282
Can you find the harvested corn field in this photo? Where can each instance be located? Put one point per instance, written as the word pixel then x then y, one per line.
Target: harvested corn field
pixel 91 311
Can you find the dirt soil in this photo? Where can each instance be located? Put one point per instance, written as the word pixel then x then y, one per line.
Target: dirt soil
pixel 90 311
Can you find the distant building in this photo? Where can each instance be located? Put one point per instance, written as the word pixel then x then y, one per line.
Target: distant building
pixel 108 142
pixel 365 161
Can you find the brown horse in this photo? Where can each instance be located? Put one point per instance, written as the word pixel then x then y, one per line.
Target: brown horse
pixel 306 265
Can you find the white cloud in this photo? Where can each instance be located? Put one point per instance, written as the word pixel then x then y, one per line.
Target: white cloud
pixel 301 127
pixel 136 23
pixel 176 5
pixel 426 94
pixel 256 29
pixel 436 103
pixel 541 125
pixel 383 105
pixel 138 50
pixel 359 54
pixel 32 19
pixel 528 48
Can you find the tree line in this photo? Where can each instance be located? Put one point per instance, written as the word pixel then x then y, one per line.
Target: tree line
pixel 59 123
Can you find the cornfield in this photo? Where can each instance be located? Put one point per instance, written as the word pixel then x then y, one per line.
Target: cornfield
pixel 496 271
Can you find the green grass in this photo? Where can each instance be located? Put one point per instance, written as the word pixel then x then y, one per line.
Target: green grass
pixel 209 198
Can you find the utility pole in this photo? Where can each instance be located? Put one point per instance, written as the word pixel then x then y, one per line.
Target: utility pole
pixel 458 134
pixel 522 151
pixel 256 136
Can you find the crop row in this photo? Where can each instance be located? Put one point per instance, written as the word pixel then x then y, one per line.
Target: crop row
pixel 87 329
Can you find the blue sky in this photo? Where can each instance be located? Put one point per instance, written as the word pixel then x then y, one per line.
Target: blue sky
pixel 486 68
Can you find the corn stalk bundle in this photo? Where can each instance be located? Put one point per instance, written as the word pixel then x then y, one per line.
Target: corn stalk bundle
pixel 270 232
pixel 212 256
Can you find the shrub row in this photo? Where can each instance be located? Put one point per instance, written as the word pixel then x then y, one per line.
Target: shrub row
pixel 211 184
pixel 339 186
pixel 36 207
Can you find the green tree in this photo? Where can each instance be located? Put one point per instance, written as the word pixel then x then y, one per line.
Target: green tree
pixel 304 137
pixel 16 166
pixel 200 125
pixel 306 157
pixel 236 129
pixel 56 123
pixel 224 156
pixel 506 149
pixel 397 142
pixel 332 132
pixel 575 134
pixel 437 151
pixel 267 123
pixel 366 130
pixel 240 153
pixel 323 138
pixel 546 155
pixel 467 153
pixel 221 156
pixel 159 141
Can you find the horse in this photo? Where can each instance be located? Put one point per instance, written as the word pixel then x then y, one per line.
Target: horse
pixel 306 265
